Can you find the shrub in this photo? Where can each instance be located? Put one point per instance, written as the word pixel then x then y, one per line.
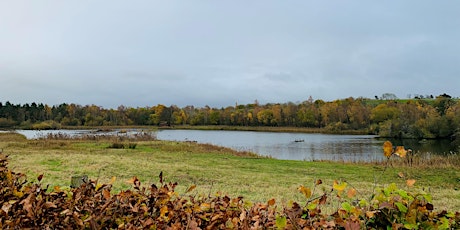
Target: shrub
pixel 93 206
pixel 132 145
pixel 46 125
pixel 117 145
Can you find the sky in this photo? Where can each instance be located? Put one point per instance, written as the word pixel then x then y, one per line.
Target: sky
pixel 218 53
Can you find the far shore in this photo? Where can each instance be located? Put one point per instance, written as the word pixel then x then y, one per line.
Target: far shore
pixel 216 127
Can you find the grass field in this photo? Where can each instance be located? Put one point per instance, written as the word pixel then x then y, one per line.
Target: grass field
pixel 216 169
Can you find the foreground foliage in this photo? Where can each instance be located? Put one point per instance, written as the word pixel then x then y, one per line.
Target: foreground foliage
pixel 93 206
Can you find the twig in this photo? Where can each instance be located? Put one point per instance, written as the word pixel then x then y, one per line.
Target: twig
pixel 210 189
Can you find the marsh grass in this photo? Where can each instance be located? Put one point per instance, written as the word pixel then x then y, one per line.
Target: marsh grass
pixel 220 170
pixel 11 137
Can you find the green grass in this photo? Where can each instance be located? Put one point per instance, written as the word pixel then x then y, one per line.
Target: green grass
pixel 216 169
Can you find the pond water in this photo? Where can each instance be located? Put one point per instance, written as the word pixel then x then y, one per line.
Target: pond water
pixel 289 146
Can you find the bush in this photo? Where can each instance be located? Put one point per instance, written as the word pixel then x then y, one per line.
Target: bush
pixel 6 123
pixel 132 145
pixel 93 206
pixel 45 125
pixel 117 145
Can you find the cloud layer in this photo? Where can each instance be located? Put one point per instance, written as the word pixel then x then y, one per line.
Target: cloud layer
pixel 218 53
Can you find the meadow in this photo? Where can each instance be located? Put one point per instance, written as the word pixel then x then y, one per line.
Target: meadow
pixel 218 170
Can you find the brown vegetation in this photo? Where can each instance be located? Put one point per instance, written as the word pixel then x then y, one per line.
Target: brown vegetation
pixel 93 206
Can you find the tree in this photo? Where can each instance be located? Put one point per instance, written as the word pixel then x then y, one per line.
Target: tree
pixel 358 114
pixel 442 103
pixel 161 115
pixel 266 117
pixel 383 112
pixel 389 96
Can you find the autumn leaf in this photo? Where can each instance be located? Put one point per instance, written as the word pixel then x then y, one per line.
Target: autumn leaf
pixel 305 191
pixel 323 199
pixel 161 177
pixel 9 175
pixel 6 207
pixel 98 186
pixel 163 211
pixel 191 188
pixel 205 206
pixel 49 205
pixel 106 194
pixel 149 222
pixel 370 214
pixel 114 178
pixel 57 188
pixel 318 182
pixel 400 151
pixel 387 149
pixel 410 182
pixel 401 174
pixel 18 194
pixel 351 193
pixel 132 180
pixel 339 187
pixel 271 202
pixel 40 177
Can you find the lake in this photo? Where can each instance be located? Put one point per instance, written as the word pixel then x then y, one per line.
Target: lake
pixel 307 146
pixel 288 146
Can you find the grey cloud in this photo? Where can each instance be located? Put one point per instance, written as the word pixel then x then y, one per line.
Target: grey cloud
pixel 212 53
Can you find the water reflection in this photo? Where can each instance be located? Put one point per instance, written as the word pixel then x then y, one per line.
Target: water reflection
pixel 441 147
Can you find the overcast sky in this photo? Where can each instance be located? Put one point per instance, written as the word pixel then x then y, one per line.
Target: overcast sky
pixel 218 53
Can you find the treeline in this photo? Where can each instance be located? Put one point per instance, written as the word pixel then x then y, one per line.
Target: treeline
pixel 412 118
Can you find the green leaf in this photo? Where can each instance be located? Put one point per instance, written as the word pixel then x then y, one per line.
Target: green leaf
pixel 411 226
pixel 347 206
pixel 390 189
pixel 444 223
pixel 363 203
pixel 312 206
pixel 428 197
pixel 281 222
pixel 401 207
pixel 404 194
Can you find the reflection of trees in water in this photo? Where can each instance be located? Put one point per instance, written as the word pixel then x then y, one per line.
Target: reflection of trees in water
pixel 434 146
pixel 351 151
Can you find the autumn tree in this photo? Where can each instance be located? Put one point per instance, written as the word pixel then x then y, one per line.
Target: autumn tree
pixel 358 114
pixel 214 117
pixel 442 103
pixel 384 112
pixel 265 117
pixel 307 115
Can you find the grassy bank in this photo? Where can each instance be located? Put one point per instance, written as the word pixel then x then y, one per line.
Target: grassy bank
pixel 215 169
